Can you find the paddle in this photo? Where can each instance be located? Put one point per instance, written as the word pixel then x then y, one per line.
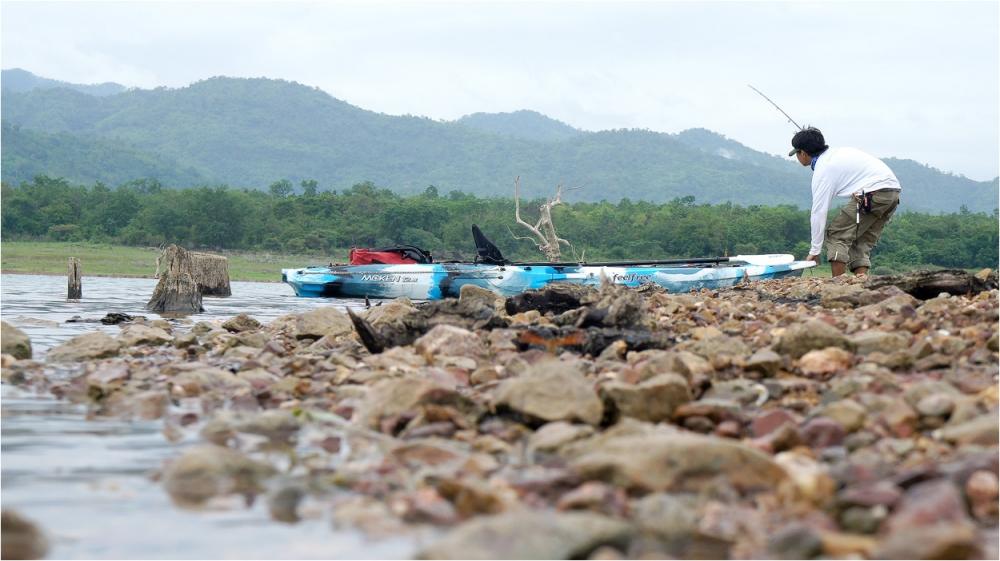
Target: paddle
pixel 768 259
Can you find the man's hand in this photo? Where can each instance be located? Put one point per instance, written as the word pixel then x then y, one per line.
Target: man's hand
pixel 813 258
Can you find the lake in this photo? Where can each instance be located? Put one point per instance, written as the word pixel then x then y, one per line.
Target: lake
pixel 87 483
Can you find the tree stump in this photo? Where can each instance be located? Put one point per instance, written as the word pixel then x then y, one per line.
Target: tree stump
pixel 211 272
pixel 177 290
pixel 74 282
pixel 928 284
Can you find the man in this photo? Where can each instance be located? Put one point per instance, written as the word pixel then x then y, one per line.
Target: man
pixel 872 193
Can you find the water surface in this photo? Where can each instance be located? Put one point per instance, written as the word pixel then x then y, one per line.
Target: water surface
pixel 87 483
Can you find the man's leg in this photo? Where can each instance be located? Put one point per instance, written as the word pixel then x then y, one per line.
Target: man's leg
pixel 840 238
pixel 870 230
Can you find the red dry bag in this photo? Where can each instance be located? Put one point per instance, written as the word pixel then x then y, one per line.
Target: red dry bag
pixel 398 255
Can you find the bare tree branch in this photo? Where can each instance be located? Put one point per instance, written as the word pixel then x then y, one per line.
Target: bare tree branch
pixel 544 231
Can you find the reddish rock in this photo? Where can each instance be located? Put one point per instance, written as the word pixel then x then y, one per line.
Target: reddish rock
pixel 595 496
pixel 783 438
pixel 900 419
pixel 931 502
pixel 768 421
pixel 876 493
pixel 821 432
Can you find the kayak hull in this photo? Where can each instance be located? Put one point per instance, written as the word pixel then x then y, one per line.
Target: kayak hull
pixel 443 280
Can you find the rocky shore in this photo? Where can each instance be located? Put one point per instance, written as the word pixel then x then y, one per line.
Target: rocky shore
pixel 799 418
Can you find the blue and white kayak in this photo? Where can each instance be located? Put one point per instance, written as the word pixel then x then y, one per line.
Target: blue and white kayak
pixel 434 281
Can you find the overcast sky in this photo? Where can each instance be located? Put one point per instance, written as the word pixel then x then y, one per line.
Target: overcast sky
pixel 911 80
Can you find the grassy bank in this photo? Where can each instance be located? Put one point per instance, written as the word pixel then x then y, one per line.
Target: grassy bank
pixel 50 258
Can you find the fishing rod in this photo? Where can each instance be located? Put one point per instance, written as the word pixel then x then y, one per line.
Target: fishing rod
pixel 776 106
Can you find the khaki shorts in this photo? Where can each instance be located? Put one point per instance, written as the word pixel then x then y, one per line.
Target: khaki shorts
pixel 850 241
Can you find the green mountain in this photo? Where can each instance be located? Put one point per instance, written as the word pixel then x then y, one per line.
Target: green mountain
pixel 26 153
pixel 252 132
pixel 18 80
pixel 529 125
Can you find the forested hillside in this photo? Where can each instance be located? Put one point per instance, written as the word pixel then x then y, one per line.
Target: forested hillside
pixel 20 80
pixel 529 125
pixel 27 153
pixel 252 132
pixel 144 213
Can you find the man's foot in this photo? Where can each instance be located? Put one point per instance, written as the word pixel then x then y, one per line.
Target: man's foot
pixel 860 271
pixel 838 268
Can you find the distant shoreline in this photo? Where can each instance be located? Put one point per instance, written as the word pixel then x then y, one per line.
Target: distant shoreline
pixel 118 261
pixel 102 275
pixel 112 276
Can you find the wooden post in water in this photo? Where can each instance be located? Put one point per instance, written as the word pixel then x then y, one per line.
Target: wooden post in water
pixel 75 290
pixel 177 290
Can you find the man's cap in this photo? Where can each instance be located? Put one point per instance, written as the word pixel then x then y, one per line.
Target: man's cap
pixel 809 140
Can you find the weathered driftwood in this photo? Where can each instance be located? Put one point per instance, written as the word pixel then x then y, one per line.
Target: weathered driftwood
pixel 929 284
pixel 177 290
pixel 543 233
pixel 74 281
pixel 210 271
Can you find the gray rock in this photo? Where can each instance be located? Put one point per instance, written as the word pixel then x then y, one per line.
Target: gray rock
pixel 917 392
pixel 800 338
pixel 14 342
pixel 277 425
pixel 981 430
pixel 655 362
pixel 848 413
pixel 552 436
pixel 21 538
pixel 669 516
pixel 713 347
pixel 765 361
pixel 472 294
pixel 138 334
pixel 683 461
pixel 653 400
pixel 530 534
pixel 241 323
pixel 840 295
pixel 796 541
pixel 321 322
pixel 938 405
pixel 874 340
pixel 448 340
pixel 200 378
pixel 206 471
pixel 391 313
pixel 861 519
pixel 739 390
pixel 85 347
pixel 283 504
pixel 552 390
pixel 405 396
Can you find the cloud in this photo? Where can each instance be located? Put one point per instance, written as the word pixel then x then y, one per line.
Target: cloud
pixel 913 80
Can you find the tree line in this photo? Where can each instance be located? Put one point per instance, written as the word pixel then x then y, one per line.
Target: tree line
pixel 302 219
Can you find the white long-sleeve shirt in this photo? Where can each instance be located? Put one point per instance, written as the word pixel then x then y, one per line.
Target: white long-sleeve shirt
pixel 842 172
